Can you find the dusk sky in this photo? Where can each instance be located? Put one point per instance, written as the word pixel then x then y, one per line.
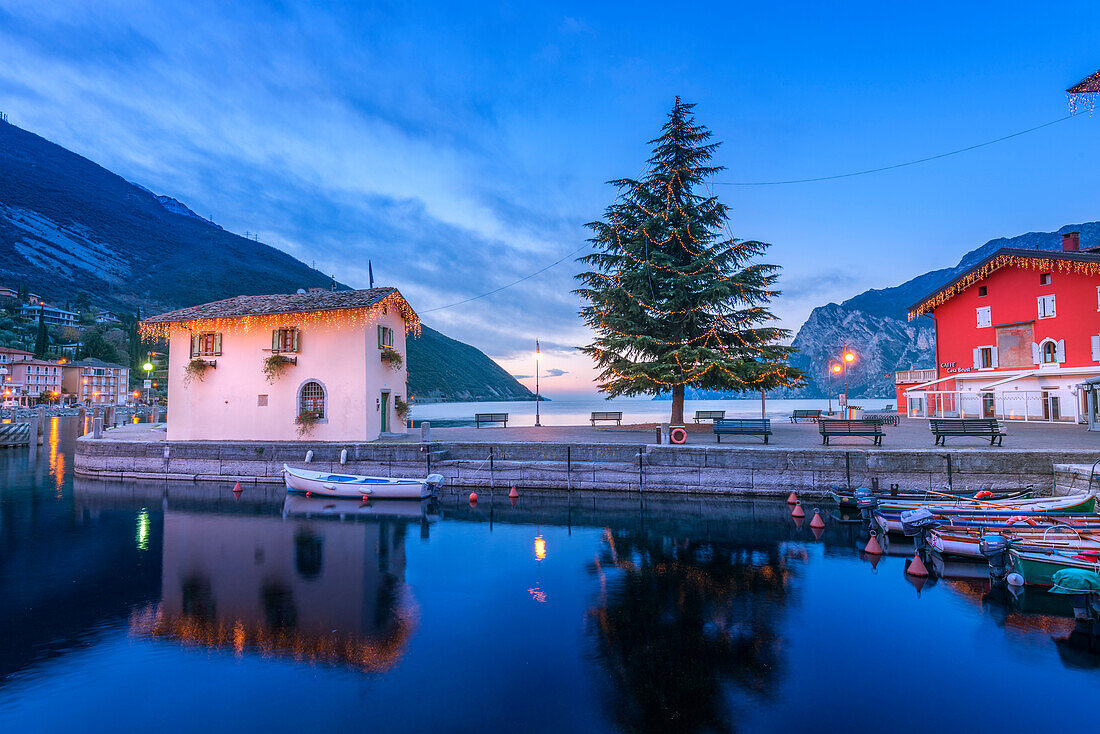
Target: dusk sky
pixel 460 146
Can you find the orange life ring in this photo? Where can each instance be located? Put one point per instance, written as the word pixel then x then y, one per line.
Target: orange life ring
pixel 678 435
pixel 983 495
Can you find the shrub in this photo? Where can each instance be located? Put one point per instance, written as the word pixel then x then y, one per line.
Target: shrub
pixel 305 421
pixel 275 366
pixel 194 370
pixel 392 358
pixel 401 407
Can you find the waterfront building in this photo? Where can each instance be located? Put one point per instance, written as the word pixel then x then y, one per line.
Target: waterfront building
pixel 318 364
pixel 1017 337
pixel 94 382
pixel 52 316
pixel 26 381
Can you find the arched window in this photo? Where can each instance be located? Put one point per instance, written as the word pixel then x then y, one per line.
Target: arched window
pixel 312 398
pixel 1050 352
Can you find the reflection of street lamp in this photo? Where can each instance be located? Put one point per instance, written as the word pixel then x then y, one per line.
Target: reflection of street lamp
pixel 540 548
pixel 537 353
pixel 833 367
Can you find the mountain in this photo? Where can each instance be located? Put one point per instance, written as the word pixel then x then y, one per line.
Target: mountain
pixel 69 225
pixel 876 327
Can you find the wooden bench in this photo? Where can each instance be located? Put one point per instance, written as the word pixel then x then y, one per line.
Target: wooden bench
pixel 806 415
pixel 709 415
pixel 743 427
pixel 480 418
pixel 865 427
pixel 990 428
pixel 607 415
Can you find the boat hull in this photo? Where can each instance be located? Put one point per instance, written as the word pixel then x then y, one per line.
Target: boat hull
pixel 1038 569
pixel 353 486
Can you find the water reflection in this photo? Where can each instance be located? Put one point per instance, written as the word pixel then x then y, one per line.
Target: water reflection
pixel 310 589
pixel 679 620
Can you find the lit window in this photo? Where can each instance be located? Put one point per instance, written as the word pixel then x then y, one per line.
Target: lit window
pixel 284 340
pixel 385 337
pixel 206 345
pixel 1050 352
pixel 312 398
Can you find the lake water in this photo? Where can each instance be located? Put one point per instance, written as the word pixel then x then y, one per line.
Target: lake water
pixel 571 411
pixel 180 608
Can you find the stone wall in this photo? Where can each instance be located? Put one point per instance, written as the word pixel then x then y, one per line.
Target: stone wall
pixel 615 467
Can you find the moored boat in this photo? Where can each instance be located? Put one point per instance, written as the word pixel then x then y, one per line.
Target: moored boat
pixel 965 541
pixel 846 498
pixel 328 484
pixel 1038 567
pixel 1083 502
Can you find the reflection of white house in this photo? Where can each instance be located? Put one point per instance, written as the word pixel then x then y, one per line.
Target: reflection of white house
pixel 258 367
pixel 319 590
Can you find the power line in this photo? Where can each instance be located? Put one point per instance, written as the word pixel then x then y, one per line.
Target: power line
pixel 896 165
pixel 509 285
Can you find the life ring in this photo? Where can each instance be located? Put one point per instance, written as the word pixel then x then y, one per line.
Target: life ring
pixel 678 435
pixel 1020 518
pixel 983 495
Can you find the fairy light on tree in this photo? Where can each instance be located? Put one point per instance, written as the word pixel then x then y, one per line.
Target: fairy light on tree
pixel 673 300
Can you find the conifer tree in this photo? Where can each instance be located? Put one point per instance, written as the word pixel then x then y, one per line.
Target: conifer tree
pixel 674 299
pixel 41 340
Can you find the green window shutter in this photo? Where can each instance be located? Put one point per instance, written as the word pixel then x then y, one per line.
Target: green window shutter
pixel 275 340
pixel 218 345
pixel 295 347
pixel 194 345
pixel 379 337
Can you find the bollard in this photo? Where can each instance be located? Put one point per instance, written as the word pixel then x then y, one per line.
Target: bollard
pixel 41 424
pixel 82 421
pixel 425 432
pixel 32 438
pixel 665 433
pixel 97 426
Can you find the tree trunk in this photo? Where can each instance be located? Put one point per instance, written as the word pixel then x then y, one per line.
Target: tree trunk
pixel 677 405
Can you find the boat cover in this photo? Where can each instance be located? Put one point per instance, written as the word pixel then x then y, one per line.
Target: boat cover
pixel 1075 581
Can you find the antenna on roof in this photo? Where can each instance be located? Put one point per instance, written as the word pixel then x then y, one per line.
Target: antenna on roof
pixel 370 273
pixel 334 281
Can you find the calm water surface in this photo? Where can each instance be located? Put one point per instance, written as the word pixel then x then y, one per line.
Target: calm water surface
pixel 145 607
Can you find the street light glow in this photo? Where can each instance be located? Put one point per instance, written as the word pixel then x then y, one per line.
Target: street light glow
pixel 849 357
pixel 836 368
pixel 148 366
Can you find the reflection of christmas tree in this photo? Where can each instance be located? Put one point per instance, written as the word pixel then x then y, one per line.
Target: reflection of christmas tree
pixel 679 622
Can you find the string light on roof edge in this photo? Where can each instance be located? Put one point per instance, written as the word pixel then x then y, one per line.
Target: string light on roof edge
pixel 1082 95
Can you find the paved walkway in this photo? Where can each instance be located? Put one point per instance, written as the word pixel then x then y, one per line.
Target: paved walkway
pixel 910 433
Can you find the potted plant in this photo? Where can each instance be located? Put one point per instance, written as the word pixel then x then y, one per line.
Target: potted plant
pixel 194 370
pixel 275 365
pixel 392 358
pixel 305 421
pixel 401 407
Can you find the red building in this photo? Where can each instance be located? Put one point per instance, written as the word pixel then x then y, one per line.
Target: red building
pixel 1017 335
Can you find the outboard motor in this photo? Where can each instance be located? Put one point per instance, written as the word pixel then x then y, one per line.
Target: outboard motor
pixel 867 504
pixel 994 548
pixel 916 524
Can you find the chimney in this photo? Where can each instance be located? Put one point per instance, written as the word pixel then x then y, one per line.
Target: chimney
pixel 1071 241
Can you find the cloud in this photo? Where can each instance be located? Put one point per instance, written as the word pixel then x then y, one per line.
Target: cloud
pixel 556 372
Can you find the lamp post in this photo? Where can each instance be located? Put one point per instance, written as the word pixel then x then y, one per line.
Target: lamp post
pixel 833 367
pixel 848 358
pixel 537 353
pixel 148 367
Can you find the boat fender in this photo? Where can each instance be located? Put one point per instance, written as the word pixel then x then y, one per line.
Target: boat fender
pixel 343 456
pixel 1015 579
pixel 309 456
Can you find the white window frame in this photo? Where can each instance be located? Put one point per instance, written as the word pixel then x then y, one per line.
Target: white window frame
pixel 988 317
pixel 1046 278
pixel 1040 300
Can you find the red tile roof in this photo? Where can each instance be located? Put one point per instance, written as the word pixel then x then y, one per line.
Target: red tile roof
pixel 284 303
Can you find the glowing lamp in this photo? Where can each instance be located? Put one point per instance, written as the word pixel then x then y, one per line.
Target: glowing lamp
pixel 849 357
pixel 148 366
pixel 836 368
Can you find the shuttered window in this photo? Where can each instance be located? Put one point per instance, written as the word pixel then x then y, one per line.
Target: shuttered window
pixel 284 340
pixel 385 337
pixel 984 318
pixel 1046 306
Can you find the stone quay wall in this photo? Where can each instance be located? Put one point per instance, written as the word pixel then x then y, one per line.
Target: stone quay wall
pixel 734 470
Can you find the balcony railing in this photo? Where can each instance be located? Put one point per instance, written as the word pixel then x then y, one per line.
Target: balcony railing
pixel 914 377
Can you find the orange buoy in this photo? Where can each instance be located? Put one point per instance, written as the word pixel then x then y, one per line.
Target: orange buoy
pixel 513 493
pixel 817 522
pixel 873 548
pixel 792 499
pixel 309 494
pixel 237 487
pixel 798 511
pixel 916 566
pixel 473 498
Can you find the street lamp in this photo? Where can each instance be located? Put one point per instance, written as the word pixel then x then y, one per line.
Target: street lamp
pixel 833 367
pixel 148 367
pixel 537 353
pixel 848 359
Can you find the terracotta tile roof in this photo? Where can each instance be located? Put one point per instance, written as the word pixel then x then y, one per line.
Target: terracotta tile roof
pixel 316 299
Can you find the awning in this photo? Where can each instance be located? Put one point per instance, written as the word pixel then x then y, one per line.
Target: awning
pixel 1029 373
pixel 933 382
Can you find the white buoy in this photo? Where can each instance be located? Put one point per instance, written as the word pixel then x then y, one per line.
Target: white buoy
pixel 1015 579
pixel 309 456
pixel 343 456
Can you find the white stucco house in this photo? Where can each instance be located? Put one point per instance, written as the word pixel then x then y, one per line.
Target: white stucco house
pixel 317 365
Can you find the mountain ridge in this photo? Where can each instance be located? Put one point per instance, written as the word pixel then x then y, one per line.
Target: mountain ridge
pixel 69 225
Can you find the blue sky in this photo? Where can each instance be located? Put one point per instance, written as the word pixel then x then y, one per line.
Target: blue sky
pixel 463 145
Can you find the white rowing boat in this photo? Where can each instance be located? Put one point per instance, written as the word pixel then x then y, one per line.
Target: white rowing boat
pixel 328 484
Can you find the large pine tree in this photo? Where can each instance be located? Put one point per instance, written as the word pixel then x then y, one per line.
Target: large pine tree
pixel 674 299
